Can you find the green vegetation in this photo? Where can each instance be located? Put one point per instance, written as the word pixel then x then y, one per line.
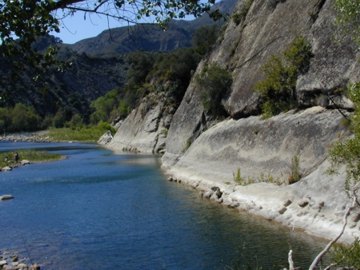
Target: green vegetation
pixel 295 174
pixel 347 256
pixel 204 39
pixel 166 74
pixel 8 158
pixel 238 17
pixel 277 89
pixel 82 133
pixel 348 17
pixel 19 118
pixel 237 176
pixel 247 181
pixel 214 83
pixel 348 152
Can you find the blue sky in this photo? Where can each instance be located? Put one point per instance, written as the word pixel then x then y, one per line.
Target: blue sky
pixel 75 28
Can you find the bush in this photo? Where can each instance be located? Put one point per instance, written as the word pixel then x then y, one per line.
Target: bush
pixel 278 89
pixel 24 118
pixel 238 17
pixel 347 256
pixel 204 38
pixel 59 119
pixel 295 174
pixel 348 152
pixel 75 122
pixel 214 83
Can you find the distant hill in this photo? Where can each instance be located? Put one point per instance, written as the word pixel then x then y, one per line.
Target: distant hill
pixel 98 64
pixel 147 37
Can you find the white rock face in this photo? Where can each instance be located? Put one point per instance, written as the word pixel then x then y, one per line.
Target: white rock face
pixel 263 149
pixel 144 130
pixel 105 138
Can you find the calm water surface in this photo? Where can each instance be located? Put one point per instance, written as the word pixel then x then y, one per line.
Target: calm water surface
pixel 97 210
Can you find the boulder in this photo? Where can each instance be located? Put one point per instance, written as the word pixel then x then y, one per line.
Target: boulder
pixel 25 162
pixel 6 197
pixel 6 169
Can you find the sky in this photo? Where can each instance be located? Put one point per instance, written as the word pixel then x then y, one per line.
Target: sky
pixel 75 28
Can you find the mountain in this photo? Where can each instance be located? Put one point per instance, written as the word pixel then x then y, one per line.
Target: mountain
pixel 147 37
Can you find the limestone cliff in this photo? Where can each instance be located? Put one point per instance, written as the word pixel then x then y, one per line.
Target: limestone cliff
pixel 267 30
pixel 145 129
pixel 208 154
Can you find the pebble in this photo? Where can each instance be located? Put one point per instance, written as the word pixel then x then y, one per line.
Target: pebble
pixel 6 197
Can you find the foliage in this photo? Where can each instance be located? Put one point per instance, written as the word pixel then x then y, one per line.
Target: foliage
pixel 59 119
pixel 204 38
pixel 295 174
pixel 214 83
pixel 347 256
pixel 238 17
pixel 104 106
pixel 8 158
pixel 168 73
pixel 84 134
pixel 348 16
pixel 19 118
pixel 237 176
pixel 348 152
pixel 277 89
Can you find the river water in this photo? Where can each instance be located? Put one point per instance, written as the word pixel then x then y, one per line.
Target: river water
pixel 97 210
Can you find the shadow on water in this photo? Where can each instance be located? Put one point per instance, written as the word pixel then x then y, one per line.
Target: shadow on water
pixel 97 210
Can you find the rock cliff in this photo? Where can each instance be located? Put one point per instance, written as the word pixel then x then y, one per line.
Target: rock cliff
pixel 208 154
pixel 145 129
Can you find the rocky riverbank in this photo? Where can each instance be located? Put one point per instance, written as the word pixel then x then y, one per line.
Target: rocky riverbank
pixel 10 260
pixel 39 136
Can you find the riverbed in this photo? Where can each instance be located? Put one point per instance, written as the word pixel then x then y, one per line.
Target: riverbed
pixel 98 210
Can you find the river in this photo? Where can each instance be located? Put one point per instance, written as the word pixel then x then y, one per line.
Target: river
pixel 97 210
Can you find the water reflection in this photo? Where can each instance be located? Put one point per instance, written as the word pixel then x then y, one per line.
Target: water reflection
pixel 96 210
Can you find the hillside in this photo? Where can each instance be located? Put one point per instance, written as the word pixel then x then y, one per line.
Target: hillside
pixel 93 67
pixel 148 37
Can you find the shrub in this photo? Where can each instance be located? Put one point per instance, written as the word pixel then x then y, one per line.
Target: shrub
pixel 278 89
pixel 59 119
pixel 24 118
pixel 348 152
pixel 237 176
pixel 204 38
pixel 295 174
pixel 238 17
pixel 347 256
pixel 214 83
pixel 75 122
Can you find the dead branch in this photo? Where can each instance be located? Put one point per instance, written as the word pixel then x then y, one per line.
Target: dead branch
pixel 332 242
pixel 290 260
